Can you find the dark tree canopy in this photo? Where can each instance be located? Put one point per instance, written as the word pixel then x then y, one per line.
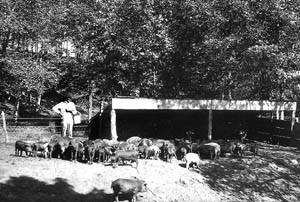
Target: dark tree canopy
pixel 246 49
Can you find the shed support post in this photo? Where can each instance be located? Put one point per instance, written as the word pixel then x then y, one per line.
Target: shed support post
pixel 282 115
pixel 210 117
pixel 113 125
pixel 100 118
pixel 293 119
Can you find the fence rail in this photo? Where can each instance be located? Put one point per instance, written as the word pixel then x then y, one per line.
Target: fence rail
pixel 276 132
pixel 15 133
pixel 36 128
pixel 37 121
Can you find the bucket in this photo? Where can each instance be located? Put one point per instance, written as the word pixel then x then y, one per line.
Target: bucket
pixel 77 119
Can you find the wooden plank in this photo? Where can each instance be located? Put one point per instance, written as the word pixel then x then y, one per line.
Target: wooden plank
pixel 252 105
pixel 189 104
pixel 155 104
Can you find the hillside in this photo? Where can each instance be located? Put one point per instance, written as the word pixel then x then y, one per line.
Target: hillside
pixel 273 176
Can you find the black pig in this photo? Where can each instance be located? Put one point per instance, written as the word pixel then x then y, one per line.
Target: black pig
pixel 21 146
pixel 130 187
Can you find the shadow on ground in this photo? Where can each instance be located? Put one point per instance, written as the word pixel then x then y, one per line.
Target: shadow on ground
pixel 23 188
pixel 270 175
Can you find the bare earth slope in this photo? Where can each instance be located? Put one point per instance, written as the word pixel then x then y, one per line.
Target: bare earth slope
pixel 272 176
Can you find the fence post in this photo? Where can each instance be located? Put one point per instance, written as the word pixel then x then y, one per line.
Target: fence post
pixel 4 127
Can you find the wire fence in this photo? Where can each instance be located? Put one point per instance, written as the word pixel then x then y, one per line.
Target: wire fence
pixel 39 122
pixel 25 128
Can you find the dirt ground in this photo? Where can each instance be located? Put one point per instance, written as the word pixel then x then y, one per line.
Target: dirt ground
pixel 274 175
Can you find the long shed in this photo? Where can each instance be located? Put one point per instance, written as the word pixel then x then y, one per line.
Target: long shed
pixel 172 117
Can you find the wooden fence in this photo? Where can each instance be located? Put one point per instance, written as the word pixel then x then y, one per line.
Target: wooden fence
pixel 275 132
pixel 36 128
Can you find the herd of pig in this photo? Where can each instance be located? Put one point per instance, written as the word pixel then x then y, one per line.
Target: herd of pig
pixel 131 150
pixel 134 148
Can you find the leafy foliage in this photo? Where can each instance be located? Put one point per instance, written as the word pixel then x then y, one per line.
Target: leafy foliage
pixel 148 48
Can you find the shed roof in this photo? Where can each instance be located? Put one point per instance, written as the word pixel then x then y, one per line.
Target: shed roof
pixel 192 104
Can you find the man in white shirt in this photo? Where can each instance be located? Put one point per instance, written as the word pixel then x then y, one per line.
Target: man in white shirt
pixel 67 110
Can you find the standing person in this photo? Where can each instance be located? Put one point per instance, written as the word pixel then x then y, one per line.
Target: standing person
pixel 67 110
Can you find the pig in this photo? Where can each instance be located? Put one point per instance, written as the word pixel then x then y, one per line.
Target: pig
pixel 101 143
pixel 159 142
pixel 227 146
pixel 190 147
pixel 254 149
pixel 21 146
pixel 87 142
pixel 123 145
pixel 80 151
pixel 191 158
pixel 60 145
pixel 146 142
pixel 97 150
pixel 108 151
pixel 126 146
pixel 41 147
pixel 142 151
pixel 130 187
pixel 182 151
pixel 169 151
pixel 89 153
pixel 134 140
pixel 50 148
pixel 243 135
pixel 111 143
pixel 211 148
pixel 131 147
pixel 101 153
pixel 76 149
pixel 128 155
pixel 103 148
pixel 241 148
pixel 180 142
pixel 152 151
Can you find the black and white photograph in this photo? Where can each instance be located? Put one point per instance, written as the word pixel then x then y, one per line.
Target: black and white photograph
pixel 150 101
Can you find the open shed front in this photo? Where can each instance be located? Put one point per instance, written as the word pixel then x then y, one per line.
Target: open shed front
pixel 170 124
pixel 209 119
pixel 160 123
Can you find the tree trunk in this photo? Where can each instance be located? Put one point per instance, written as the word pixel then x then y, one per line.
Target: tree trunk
pixel 5 44
pixel 92 87
pixel 17 110
pixel 38 102
pixel 230 95
pixel 91 105
pixel 4 126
